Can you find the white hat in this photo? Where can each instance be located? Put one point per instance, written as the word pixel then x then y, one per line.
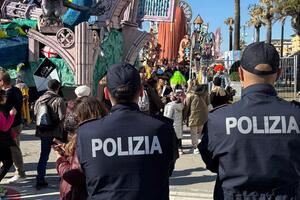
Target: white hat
pixel 82 91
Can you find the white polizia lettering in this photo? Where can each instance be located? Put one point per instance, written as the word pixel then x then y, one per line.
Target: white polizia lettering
pixel 96 146
pixel 262 125
pixel 136 145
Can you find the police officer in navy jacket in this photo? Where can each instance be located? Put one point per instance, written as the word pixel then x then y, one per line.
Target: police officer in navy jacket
pixel 127 155
pixel 254 144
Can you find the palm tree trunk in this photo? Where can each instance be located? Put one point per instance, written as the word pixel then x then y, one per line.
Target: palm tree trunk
pixel 269 32
pixel 282 37
pixel 237 21
pixel 257 34
pixel 296 24
pixel 230 38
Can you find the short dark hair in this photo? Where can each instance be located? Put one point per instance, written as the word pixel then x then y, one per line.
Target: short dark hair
pixel 53 85
pixel 4 76
pixel 217 81
pixel 124 94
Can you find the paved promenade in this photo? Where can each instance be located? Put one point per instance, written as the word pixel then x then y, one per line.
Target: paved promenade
pixel 190 180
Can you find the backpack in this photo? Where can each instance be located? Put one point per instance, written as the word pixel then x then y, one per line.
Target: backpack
pixel 45 119
pixel 144 103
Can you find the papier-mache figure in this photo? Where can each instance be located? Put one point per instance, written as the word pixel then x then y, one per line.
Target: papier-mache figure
pixel 53 9
pixel 184 49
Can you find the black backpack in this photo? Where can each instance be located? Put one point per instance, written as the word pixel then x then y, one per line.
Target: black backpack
pixel 45 117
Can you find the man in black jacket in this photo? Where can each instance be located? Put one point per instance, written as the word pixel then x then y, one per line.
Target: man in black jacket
pixel 253 145
pixel 14 100
pixel 127 154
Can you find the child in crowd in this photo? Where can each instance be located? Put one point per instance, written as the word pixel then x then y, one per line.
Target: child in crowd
pixel 173 110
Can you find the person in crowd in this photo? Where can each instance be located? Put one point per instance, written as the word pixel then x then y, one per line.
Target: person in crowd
pixel 174 111
pixel 163 87
pixel 83 91
pixel 127 154
pixel 223 75
pixel 218 95
pixel 6 135
pixel 253 144
pixel 155 101
pixel 25 106
pixel 100 94
pixel 72 184
pixel 57 112
pixel 69 121
pixel 14 100
pixel 196 112
pixel 180 94
pixel 144 102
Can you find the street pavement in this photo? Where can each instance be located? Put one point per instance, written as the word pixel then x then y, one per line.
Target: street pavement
pixel 190 180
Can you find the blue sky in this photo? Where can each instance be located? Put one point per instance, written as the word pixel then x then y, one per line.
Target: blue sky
pixel 215 11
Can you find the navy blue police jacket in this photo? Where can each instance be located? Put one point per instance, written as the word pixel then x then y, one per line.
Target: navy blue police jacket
pixel 253 145
pixel 127 155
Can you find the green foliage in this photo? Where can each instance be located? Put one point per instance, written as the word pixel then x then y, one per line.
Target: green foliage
pixel 284 8
pixel 234 76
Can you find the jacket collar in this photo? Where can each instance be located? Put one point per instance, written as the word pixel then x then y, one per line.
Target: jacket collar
pixel 260 88
pixel 125 106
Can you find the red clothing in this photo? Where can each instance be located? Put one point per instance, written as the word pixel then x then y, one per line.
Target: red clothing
pixel 72 185
pixel 6 122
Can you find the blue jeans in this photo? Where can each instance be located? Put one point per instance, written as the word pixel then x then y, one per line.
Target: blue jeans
pixel 46 143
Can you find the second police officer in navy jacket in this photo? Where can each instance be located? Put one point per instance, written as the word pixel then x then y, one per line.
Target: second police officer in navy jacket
pixel 127 154
pixel 254 144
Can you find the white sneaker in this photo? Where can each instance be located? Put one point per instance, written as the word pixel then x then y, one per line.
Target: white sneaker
pixel 196 151
pixel 15 179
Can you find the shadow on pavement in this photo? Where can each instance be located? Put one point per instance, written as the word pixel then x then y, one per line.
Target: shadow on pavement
pixel 26 189
pixel 25 137
pixel 33 166
pixel 191 180
pixel 187 172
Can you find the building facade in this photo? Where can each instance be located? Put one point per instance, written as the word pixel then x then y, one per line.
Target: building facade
pixel 287 46
pixel 295 43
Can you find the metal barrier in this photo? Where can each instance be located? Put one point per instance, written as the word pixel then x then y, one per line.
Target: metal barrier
pixel 287 85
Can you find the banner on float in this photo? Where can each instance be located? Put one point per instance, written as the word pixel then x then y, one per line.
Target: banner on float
pixel 45 72
pixel 156 10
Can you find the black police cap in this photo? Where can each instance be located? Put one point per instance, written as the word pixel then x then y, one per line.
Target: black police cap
pixel 123 75
pixel 260 53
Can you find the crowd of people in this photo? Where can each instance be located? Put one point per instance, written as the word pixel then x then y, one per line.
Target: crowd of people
pixel 124 145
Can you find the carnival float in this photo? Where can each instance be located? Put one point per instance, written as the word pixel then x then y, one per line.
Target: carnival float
pixel 76 41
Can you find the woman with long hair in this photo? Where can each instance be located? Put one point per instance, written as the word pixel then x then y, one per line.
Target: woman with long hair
pixel 72 184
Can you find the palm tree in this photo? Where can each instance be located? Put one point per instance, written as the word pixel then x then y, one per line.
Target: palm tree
pixel 237 22
pixel 268 16
pixel 229 21
pixel 281 17
pixel 289 8
pixel 255 12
